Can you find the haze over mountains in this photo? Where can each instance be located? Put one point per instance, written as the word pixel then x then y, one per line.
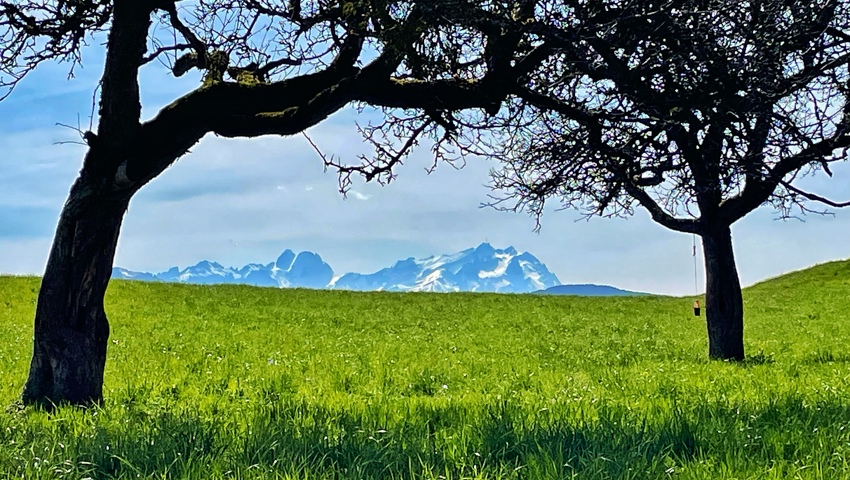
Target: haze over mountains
pixel 480 269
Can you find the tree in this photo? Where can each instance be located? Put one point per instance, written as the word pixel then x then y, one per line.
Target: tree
pixel 269 68
pixel 698 111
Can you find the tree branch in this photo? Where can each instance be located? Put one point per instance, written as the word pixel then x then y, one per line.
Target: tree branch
pixel 658 214
pixel 758 191
pixel 159 51
pixel 813 197
pixel 284 108
pixel 196 43
pixel 372 169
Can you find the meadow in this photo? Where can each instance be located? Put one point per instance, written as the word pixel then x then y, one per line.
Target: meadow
pixel 250 383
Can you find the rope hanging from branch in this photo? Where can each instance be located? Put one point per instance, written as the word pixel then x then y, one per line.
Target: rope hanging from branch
pixel 696 282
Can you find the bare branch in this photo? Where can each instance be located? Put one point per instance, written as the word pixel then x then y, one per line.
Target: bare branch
pixel 380 168
pixel 813 197
pixel 167 48
pixel 658 214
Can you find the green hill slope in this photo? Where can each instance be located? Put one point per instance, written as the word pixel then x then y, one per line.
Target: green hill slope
pixel 230 381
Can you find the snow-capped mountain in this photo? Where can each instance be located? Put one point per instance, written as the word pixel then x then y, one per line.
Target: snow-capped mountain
pixel 480 269
pixel 290 270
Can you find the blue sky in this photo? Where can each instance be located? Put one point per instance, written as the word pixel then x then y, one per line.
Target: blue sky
pixel 240 201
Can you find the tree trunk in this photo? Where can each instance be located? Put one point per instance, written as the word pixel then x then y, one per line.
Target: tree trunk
pixel 71 329
pixel 724 306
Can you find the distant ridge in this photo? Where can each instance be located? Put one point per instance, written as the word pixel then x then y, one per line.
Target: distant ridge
pixel 588 290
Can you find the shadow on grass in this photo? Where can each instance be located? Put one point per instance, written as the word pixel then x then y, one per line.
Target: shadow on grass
pixel 456 442
pixel 758 358
pixel 165 445
pixel 292 438
pixel 826 357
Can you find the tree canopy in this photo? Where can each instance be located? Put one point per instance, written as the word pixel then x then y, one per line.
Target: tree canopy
pixel 270 67
pixel 690 109
pixel 685 108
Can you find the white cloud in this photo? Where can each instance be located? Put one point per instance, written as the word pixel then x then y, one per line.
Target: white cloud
pixel 359 196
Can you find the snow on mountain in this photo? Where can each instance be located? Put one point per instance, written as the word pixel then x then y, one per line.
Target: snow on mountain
pixel 309 271
pixel 119 272
pixel 479 269
pixel 304 270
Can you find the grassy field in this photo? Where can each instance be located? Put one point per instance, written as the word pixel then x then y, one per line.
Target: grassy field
pixel 239 382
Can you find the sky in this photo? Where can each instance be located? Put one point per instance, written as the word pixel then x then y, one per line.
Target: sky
pixel 247 200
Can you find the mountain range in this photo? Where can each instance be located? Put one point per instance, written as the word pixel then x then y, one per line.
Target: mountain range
pixel 480 269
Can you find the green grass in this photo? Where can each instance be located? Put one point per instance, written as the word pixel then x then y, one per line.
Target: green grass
pixel 239 382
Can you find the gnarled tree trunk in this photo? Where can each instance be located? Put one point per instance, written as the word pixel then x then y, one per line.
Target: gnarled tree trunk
pixel 724 306
pixel 71 329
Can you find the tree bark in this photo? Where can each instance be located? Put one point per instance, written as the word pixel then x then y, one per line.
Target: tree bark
pixel 724 306
pixel 71 328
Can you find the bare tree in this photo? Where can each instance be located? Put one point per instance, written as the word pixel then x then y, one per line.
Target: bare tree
pixel 698 111
pixel 270 67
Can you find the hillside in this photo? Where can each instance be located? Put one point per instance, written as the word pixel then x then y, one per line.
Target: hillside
pixel 588 290
pixel 832 276
pixel 239 382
